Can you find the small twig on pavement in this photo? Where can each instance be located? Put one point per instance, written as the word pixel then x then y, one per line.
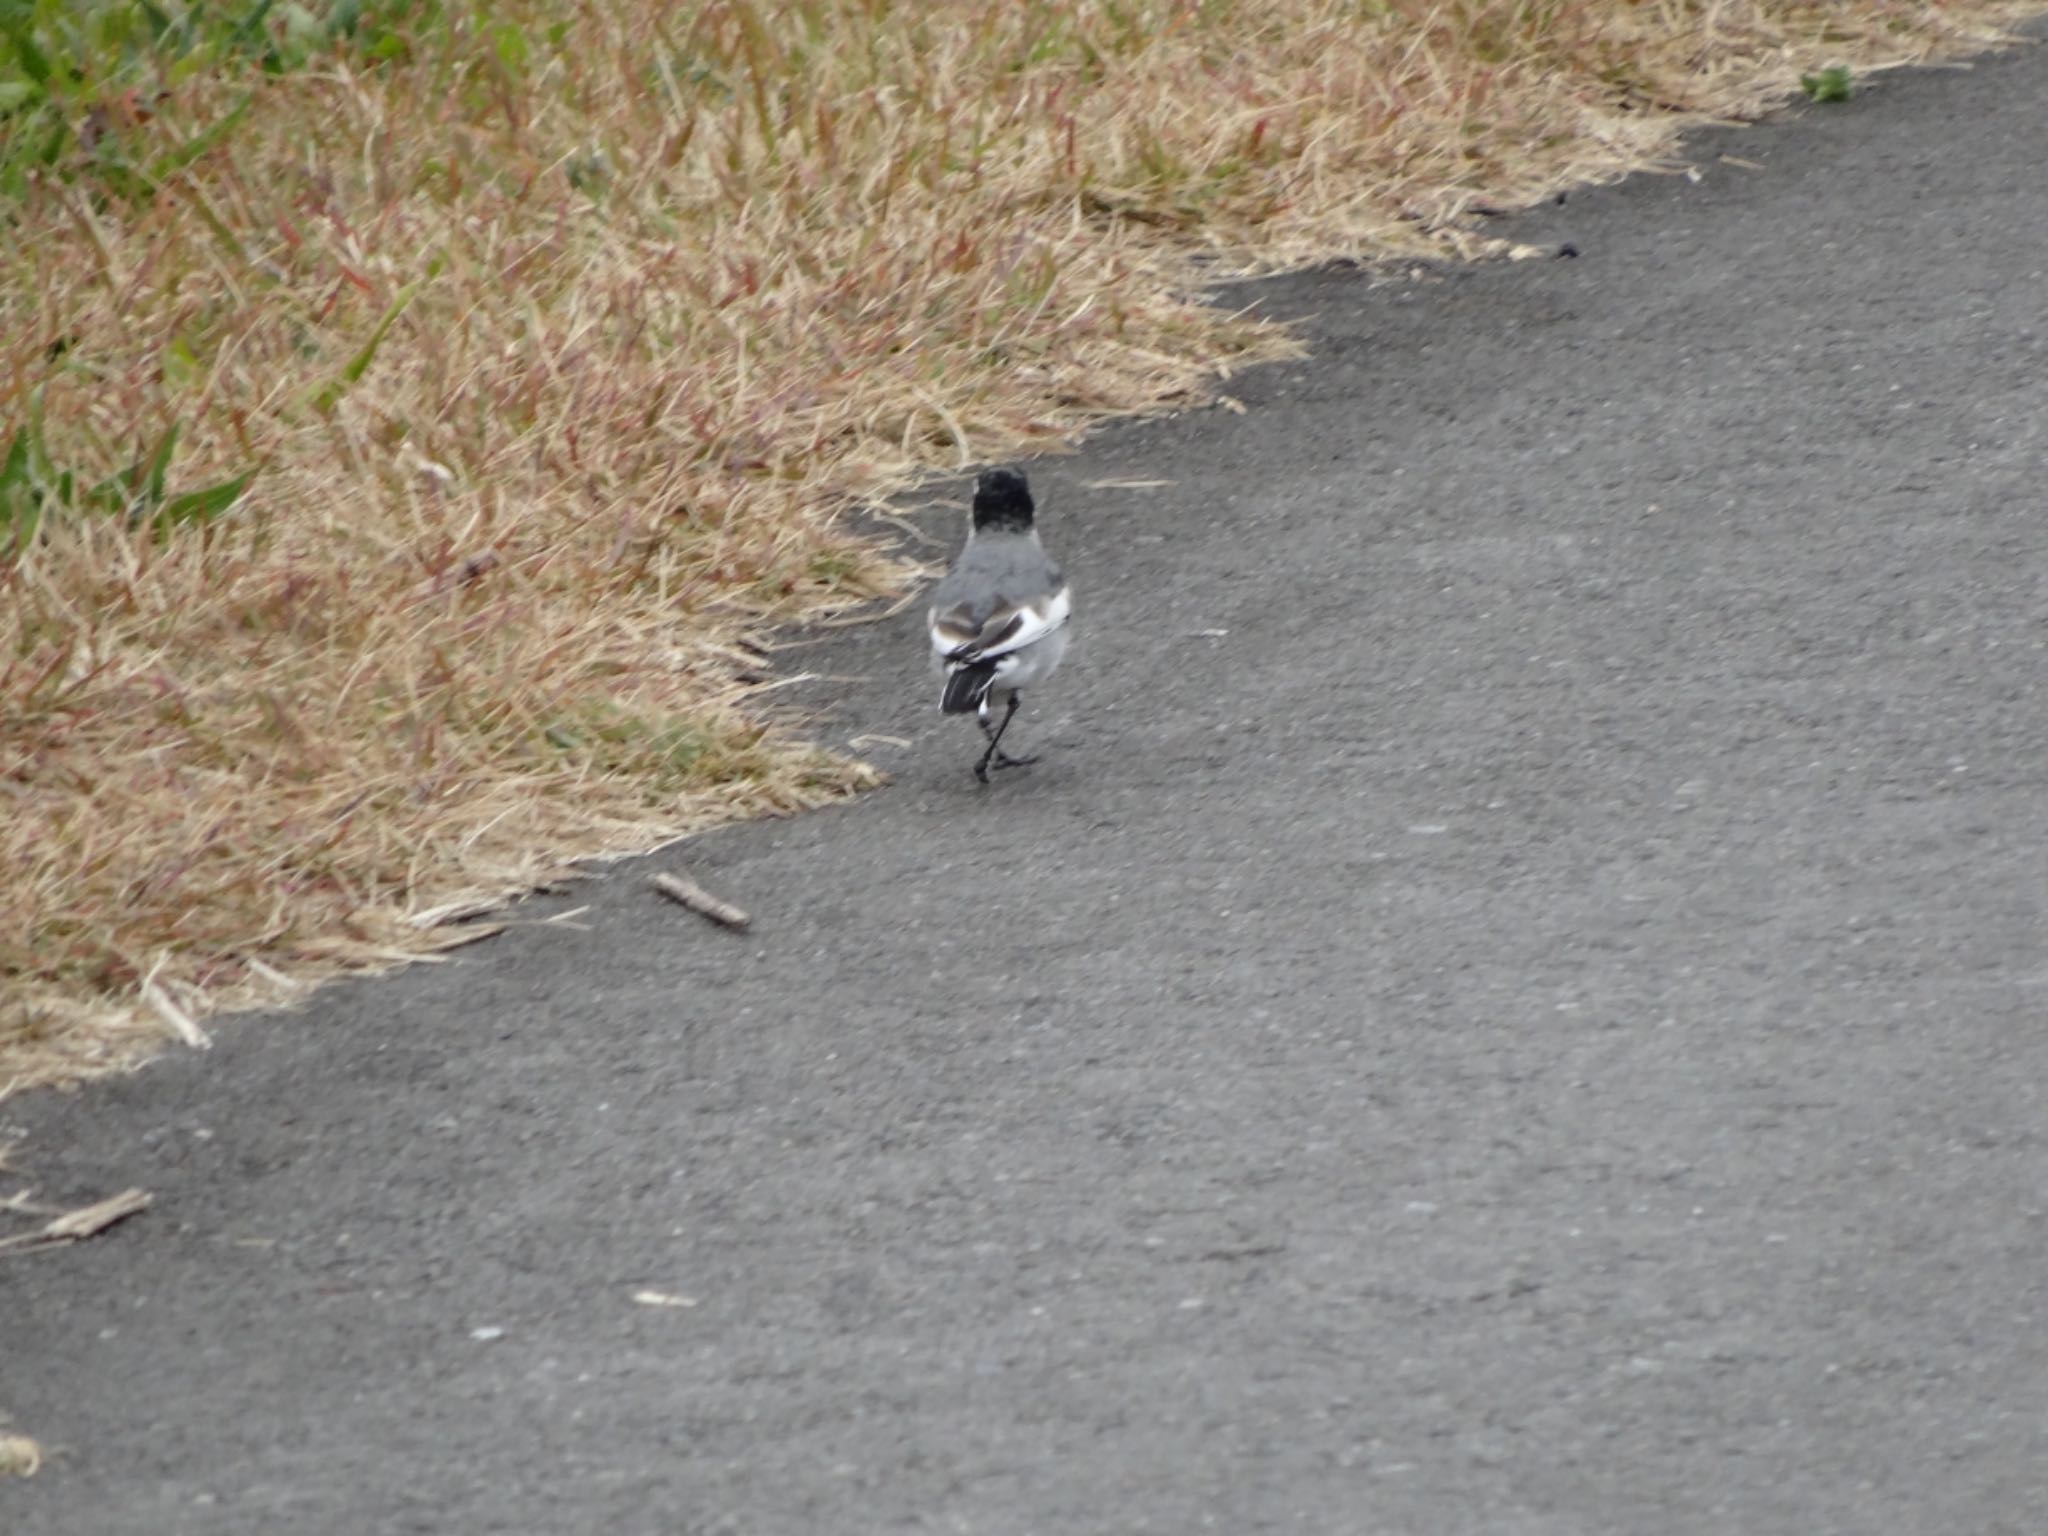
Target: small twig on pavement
pixel 692 895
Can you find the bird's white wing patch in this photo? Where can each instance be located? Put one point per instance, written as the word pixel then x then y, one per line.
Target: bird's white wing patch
pixel 957 638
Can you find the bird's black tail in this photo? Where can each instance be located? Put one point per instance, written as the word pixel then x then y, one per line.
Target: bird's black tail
pixel 967 686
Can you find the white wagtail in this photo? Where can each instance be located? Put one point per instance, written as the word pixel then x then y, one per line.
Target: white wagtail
pixel 998 621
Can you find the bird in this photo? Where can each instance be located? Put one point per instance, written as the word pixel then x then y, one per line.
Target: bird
pixel 998 621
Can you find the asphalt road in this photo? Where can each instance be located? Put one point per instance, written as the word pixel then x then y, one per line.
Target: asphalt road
pixel 1513 1004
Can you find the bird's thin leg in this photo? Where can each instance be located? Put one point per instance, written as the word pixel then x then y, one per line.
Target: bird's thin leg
pixel 1001 758
pixel 989 732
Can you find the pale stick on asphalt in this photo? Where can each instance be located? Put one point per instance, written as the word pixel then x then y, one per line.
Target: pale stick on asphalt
pixel 692 895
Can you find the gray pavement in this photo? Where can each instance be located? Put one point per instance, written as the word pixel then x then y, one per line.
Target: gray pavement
pixel 1513 1003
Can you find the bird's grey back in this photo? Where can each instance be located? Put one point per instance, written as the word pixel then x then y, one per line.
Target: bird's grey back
pixel 997 568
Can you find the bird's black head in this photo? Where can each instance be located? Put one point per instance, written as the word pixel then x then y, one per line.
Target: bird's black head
pixel 1002 500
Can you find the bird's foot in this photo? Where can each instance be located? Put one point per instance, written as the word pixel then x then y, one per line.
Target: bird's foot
pixel 995 759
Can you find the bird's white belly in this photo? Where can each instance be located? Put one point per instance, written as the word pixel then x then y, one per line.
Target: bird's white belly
pixel 1033 664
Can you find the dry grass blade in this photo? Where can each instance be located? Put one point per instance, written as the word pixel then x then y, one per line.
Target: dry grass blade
pixel 91 1220
pixel 650 1298
pixel 177 1019
pixel 86 1221
pixel 406 425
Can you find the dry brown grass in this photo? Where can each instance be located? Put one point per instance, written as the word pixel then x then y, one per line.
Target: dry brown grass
pixel 557 357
